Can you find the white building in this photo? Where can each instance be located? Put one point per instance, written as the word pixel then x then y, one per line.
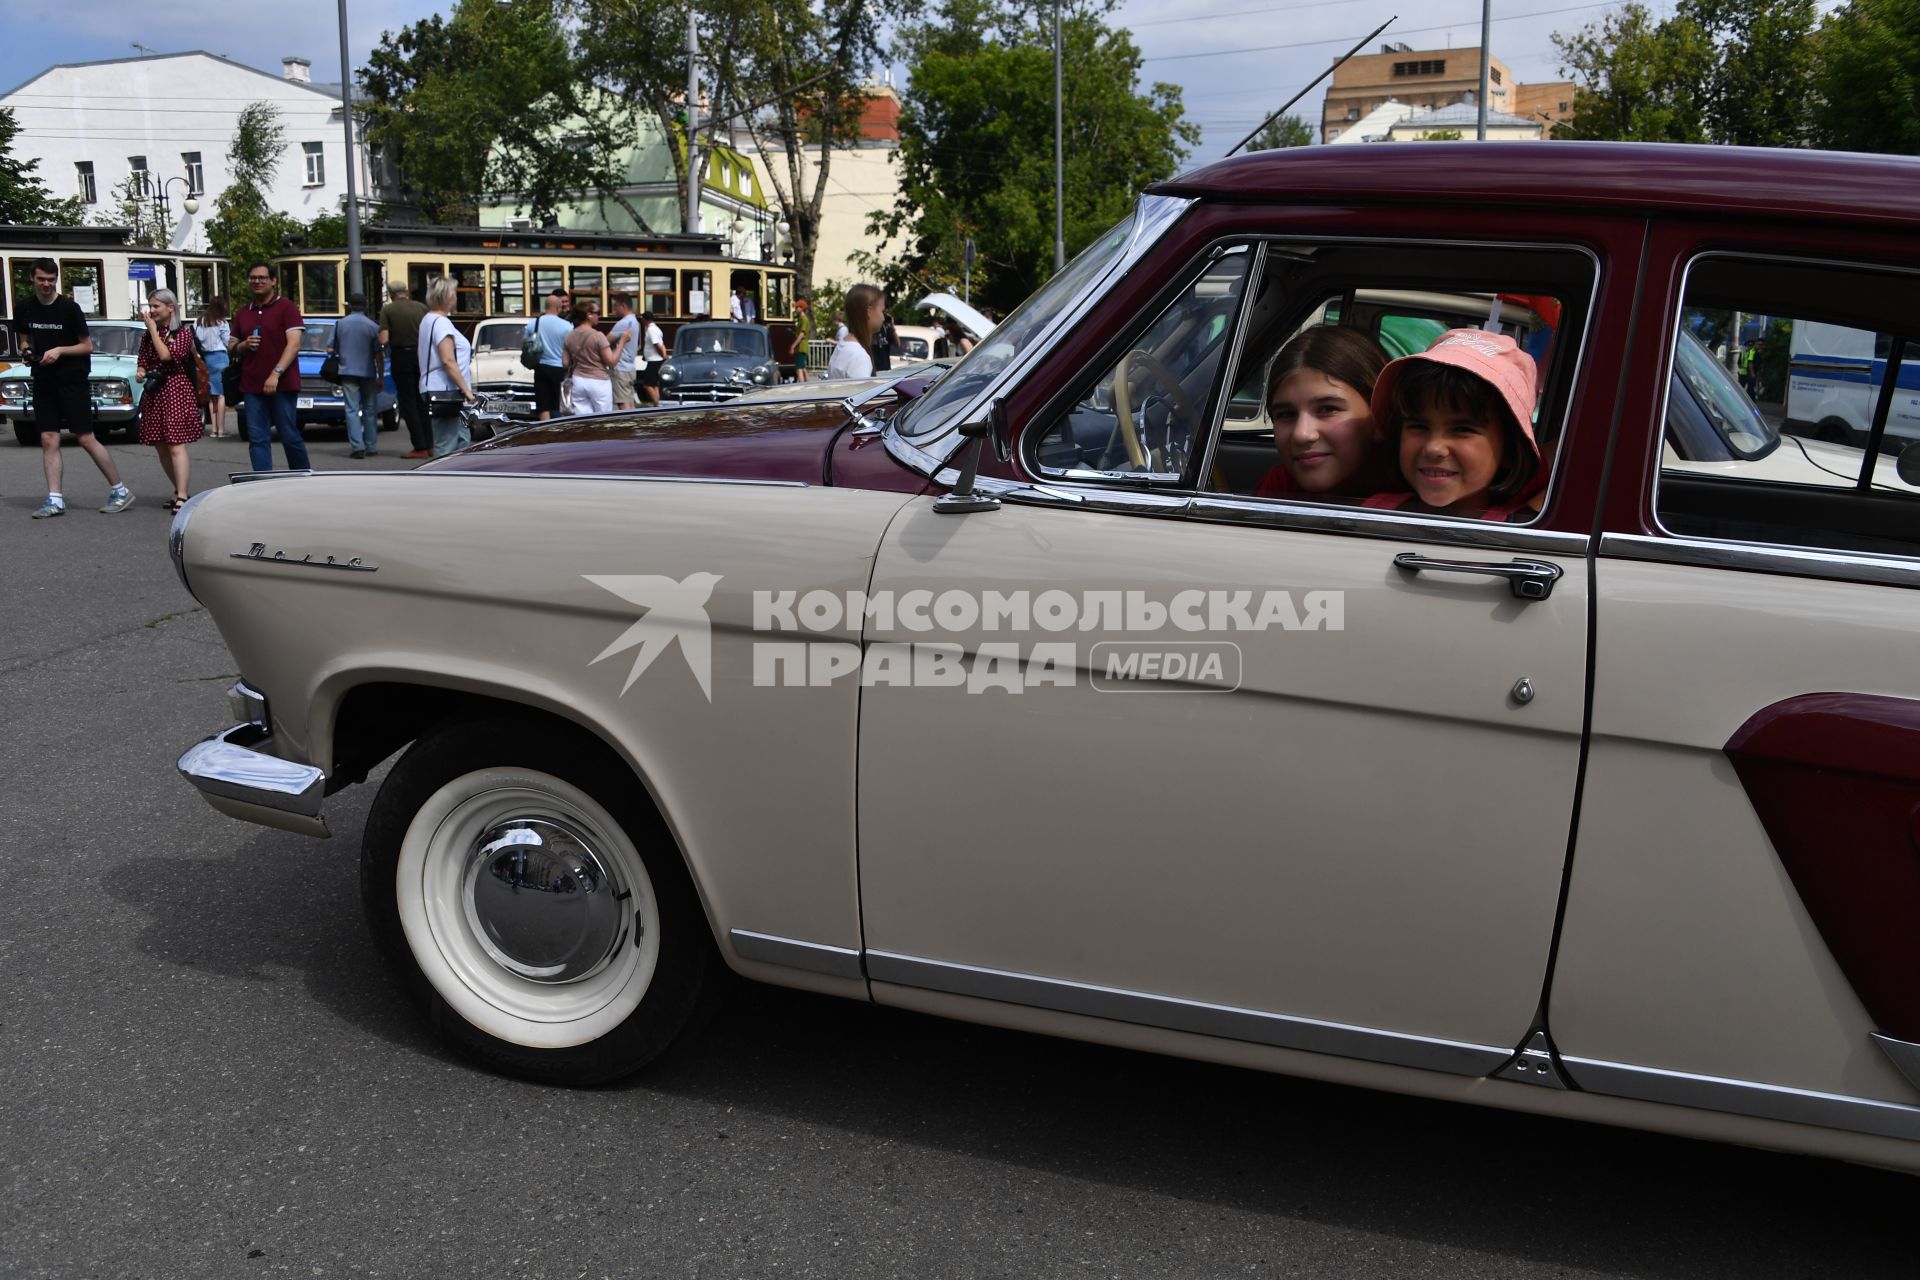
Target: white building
pixel 91 125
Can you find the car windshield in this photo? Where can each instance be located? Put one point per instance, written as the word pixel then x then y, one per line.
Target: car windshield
pixel 1734 418
pixel 317 336
pixel 115 340
pixel 1033 317
pixel 499 337
pixel 727 339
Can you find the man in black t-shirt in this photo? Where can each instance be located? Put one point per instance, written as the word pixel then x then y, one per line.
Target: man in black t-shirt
pixel 52 331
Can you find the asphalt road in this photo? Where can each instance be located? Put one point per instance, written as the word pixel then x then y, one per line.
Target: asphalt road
pixel 204 1072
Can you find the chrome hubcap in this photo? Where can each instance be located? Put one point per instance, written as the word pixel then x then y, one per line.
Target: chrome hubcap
pixel 542 902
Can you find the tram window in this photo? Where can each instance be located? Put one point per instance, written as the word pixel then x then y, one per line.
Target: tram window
pixel 373 282
pixel 659 293
pixel 320 288
pixel 420 275
pixel 584 284
pixel 20 277
pixel 509 291
pixel 696 293
pixel 779 297
pixel 82 281
pixel 623 280
pixel 470 289
pixel 545 281
pixel 199 282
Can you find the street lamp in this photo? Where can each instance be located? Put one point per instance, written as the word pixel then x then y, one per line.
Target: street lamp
pixel 190 204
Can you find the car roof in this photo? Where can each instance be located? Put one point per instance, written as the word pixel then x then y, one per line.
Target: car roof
pixel 1649 177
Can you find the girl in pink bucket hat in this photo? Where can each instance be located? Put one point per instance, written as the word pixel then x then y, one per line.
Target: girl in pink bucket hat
pixel 1459 417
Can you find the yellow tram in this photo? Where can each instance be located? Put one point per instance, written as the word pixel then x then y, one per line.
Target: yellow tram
pixel 672 279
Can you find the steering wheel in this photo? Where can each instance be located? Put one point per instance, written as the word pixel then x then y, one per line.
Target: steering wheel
pixel 1177 397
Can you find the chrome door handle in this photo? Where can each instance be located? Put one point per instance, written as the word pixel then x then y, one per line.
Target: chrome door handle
pixel 1529 579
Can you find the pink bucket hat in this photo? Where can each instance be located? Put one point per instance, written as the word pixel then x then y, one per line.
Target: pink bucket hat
pixel 1493 357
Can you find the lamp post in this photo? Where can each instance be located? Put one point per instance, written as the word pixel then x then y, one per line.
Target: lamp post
pixel 164 212
pixel 1486 65
pixel 354 283
pixel 1059 154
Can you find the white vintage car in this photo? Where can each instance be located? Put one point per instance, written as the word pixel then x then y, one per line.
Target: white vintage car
pixel 1007 696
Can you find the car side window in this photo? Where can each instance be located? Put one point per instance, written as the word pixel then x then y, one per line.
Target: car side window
pixel 1335 314
pixel 1142 413
pixel 1793 407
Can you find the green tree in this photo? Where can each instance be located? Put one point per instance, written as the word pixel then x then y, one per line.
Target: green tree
pixel 976 146
pixel 1867 78
pixel 24 198
pixel 131 205
pixel 1640 79
pixel 1287 131
pixel 489 100
pixel 241 225
pixel 1758 71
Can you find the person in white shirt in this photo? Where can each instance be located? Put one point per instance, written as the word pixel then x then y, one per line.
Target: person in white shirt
pixel 852 355
pixel 733 306
pixel 653 354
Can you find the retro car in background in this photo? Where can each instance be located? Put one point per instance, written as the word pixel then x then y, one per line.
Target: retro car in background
pixel 318 402
pixel 717 360
pixel 496 368
pixel 116 391
pixel 1602 812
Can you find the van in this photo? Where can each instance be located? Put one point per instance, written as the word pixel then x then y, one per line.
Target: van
pixel 1834 373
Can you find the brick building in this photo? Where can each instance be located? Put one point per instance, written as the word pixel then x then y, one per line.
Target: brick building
pixel 1431 78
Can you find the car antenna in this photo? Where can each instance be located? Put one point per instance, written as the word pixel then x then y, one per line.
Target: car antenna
pixel 1337 63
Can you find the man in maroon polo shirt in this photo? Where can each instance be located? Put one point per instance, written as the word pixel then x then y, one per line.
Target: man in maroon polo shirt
pixel 266 342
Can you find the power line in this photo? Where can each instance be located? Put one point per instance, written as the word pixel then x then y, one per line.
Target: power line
pixel 1241 13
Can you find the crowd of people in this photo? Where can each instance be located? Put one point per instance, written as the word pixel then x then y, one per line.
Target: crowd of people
pixel 192 369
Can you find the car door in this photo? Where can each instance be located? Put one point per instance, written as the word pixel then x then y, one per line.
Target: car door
pixel 1218 763
pixel 1739 926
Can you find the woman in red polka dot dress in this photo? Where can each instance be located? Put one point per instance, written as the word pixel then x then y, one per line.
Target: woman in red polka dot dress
pixel 170 411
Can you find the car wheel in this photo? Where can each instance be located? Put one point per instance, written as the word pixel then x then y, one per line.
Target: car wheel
pixel 537 911
pixel 1835 431
pixel 27 434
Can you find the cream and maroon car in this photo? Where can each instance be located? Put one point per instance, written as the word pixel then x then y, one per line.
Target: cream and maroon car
pixel 1002 696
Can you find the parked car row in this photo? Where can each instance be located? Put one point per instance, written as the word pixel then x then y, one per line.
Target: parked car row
pixel 1598 805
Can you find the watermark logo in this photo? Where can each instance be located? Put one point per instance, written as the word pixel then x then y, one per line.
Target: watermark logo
pixel 675 610
pixel 801 636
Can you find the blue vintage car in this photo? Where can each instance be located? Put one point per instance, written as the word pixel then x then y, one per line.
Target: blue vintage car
pixel 319 402
pixel 116 392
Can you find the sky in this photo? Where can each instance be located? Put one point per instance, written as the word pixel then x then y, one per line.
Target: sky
pixel 1235 60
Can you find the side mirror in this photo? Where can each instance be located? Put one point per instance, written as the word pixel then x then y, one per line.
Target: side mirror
pixel 1908 466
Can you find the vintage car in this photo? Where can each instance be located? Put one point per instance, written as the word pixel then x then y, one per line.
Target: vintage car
pixel 318 402
pixel 1011 700
pixel 496 367
pixel 116 392
pixel 717 360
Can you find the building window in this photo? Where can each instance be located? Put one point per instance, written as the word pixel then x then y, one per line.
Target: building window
pixel 1424 67
pixel 1353 113
pixel 316 164
pixel 1495 73
pixel 83 181
pixel 142 185
pixel 196 174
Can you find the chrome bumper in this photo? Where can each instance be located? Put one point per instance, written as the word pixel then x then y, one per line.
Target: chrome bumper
pixel 252 785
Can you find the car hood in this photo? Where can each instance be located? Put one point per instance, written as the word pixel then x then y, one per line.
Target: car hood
pixel 757 442
pixel 102 367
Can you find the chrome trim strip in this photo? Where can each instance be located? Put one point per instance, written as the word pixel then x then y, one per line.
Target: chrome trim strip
pixel 1890 571
pixel 225 765
pixel 1744 1097
pixel 1905 1055
pixel 1153 215
pixel 1236 351
pixel 791 953
pixel 1223 1021
pixel 258 551
pixel 177 538
pixel 243 476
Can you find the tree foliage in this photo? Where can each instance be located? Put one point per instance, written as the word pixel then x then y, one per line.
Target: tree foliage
pixel 241 225
pixel 976 148
pixel 1867 78
pixel 489 100
pixel 1727 71
pixel 1287 131
pixel 24 198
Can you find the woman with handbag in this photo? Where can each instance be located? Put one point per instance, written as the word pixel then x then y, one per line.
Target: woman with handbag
pixel 169 404
pixel 446 362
